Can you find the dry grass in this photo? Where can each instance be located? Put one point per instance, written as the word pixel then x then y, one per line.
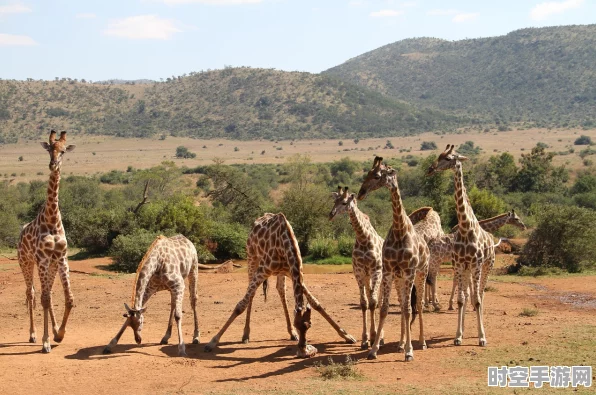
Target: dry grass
pixel 528 312
pixel 339 371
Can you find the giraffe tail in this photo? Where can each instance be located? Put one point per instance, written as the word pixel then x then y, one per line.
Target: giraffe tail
pixel 265 287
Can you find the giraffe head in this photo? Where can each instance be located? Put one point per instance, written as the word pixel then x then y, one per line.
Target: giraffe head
pixel 342 202
pixel 516 221
pixel 135 319
pixel 379 176
pixel 446 161
pixel 57 149
pixel 303 324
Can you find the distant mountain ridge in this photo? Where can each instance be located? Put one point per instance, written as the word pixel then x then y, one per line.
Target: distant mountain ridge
pixel 541 75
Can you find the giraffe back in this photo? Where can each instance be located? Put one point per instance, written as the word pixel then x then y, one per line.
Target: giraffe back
pixel 430 226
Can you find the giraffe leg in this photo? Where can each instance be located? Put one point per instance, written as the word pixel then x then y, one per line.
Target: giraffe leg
pixel 168 334
pixel 256 280
pixel 53 269
pixel 399 284
pixel 46 292
pixel 434 273
pixel 386 285
pixel 420 280
pixel 317 306
pixel 480 300
pixel 193 280
pixel 373 303
pixel 68 297
pixel 177 296
pixel 114 341
pixel 27 267
pixel 246 334
pixel 453 288
pixel 406 312
pixel 281 289
pixel 363 307
pixel 461 277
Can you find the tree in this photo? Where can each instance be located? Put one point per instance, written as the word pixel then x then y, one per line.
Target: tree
pixel 428 146
pixel 183 152
pixel 537 173
pixel 583 140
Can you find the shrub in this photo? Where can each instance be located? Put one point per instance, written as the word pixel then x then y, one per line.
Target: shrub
pixel 583 140
pixel 345 245
pixel 128 250
pixel 564 237
pixel 428 146
pixel 321 248
pixel 526 312
pixel 183 152
pixel 334 371
pixel 230 240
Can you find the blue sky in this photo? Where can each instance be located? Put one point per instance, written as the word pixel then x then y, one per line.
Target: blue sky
pixel 132 39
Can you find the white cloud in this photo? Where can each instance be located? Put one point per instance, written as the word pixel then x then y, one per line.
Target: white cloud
pixel 437 11
pixel 142 27
pixel 459 18
pixel 386 13
pixel 211 2
pixel 86 15
pixel 15 8
pixel 15 40
pixel 544 10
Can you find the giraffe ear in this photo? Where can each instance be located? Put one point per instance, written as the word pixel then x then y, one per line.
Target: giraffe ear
pixel 143 309
pixel 45 146
pixel 70 148
pixel 128 309
pixel 334 195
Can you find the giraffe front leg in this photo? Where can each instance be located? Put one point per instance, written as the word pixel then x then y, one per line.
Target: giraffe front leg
pixel 114 341
pixel 27 268
pixel 373 303
pixel 386 285
pixel 420 280
pixel 480 300
pixel 462 287
pixel 398 287
pixel 281 289
pixel 406 312
pixel 364 308
pixel 193 280
pixel 177 300
pixel 46 299
pixel 53 269
pixel 256 281
pixel 321 310
pixel 68 297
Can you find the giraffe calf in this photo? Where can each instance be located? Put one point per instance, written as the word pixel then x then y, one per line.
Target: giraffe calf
pixel 166 264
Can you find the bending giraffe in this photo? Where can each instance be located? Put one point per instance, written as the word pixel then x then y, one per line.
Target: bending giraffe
pixel 366 259
pixel 166 264
pixel 441 251
pixel 272 250
pixel 405 256
pixel 473 247
pixel 42 242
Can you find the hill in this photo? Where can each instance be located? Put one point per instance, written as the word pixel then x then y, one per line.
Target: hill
pixel 542 76
pixel 238 103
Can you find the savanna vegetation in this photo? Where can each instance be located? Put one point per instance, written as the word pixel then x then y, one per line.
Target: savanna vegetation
pixel 215 205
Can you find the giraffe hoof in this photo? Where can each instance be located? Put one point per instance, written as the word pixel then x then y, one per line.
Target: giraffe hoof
pixel 382 342
pixel 350 339
pixel 371 356
pixel 424 346
pixel 107 350
pixel 163 342
pixel 58 338
pixel 46 349
pixel 482 343
pixel 400 349
pixel 32 339
pixel 195 340
pixel 245 340
pixel 209 347
pixel 409 358
pixel 309 351
pixel 450 308
pixel 364 345
pixel 294 337
pixel 457 342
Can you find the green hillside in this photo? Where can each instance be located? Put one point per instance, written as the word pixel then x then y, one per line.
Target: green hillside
pixel 545 76
pixel 238 103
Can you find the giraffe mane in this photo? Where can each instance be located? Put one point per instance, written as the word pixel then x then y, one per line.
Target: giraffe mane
pixel 142 264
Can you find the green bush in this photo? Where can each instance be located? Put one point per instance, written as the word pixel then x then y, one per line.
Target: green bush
pixel 583 140
pixel 321 248
pixel 428 146
pixel 128 250
pixel 183 152
pixel 564 237
pixel 345 245
pixel 230 240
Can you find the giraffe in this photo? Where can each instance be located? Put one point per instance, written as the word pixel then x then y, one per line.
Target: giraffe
pixel 366 259
pixel 166 264
pixel 272 249
pixel 490 225
pixel 473 247
pixel 42 242
pixel 405 255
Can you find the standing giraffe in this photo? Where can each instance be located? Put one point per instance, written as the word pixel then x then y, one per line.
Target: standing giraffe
pixel 473 247
pixel 166 264
pixel 405 255
pixel 272 250
pixel 42 242
pixel 366 259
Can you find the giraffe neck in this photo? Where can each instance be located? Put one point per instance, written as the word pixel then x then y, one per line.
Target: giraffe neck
pixel 401 221
pixel 52 212
pixel 466 219
pixel 141 284
pixel 361 224
pixel 494 223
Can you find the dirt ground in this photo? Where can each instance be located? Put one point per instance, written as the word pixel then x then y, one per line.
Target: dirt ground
pixel 100 154
pixel 562 333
